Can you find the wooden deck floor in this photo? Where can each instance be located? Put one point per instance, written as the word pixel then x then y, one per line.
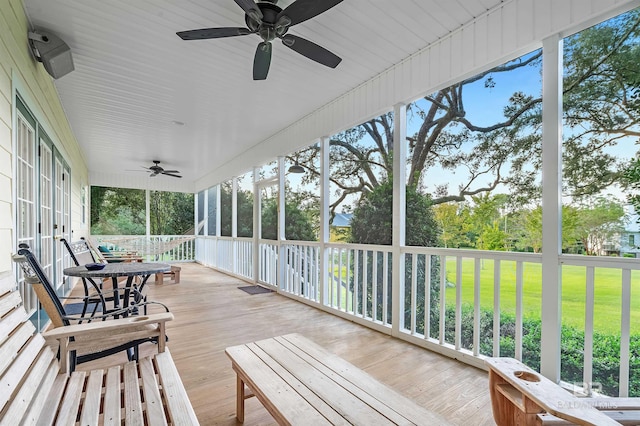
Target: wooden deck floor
pixel 212 314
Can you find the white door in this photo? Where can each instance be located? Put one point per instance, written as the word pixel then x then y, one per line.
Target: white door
pixel 26 198
pixel 45 225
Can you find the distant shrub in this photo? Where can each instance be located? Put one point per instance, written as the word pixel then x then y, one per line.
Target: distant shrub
pixel 606 348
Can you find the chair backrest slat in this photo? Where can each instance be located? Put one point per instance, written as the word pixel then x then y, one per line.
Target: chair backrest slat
pixel 21 346
pixel 80 252
pixel 34 275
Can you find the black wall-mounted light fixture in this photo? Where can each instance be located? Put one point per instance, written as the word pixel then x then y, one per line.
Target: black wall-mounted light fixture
pixel 54 53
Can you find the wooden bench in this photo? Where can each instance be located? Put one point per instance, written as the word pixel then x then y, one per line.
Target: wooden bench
pixel 36 388
pixel 521 396
pixel 299 382
pixel 174 274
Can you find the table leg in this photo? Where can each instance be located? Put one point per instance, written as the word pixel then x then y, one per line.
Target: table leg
pixel 240 399
pixel 116 293
pixel 127 291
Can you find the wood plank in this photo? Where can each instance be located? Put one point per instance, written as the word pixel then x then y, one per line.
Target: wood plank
pixel 284 403
pixel 92 398
pixel 17 370
pixel 41 399
pixel 53 401
pixel 9 301
pixel 132 404
pixel 363 381
pixel 344 399
pixel 71 399
pixel 317 402
pixel 152 399
pixel 7 282
pixel 36 382
pixel 175 396
pixel 11 347
pixel 112 397
pixel 11 322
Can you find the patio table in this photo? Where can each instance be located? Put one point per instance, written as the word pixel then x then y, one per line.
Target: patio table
pixel 130 270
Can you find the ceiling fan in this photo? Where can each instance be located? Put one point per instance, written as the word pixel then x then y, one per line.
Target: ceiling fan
pixel 157 170
pixel 269 21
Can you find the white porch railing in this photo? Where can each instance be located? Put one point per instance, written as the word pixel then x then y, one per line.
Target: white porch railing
pixel 156 248
pixel 466 304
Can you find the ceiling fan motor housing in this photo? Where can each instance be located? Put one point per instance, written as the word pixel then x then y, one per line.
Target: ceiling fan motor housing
pixel 270 26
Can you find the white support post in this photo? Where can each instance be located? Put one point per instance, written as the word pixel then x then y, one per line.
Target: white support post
pixel 551 207
pixel 234 224
pixel 147 208
pixel 218 207
pixel 205 211
pixel 399 215
pixel 234 208
pixel 257 211
pixel 325 233
pixel 281 203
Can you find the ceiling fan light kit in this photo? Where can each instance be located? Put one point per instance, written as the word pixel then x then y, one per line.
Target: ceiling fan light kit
pixel 156 170
pixel 269 21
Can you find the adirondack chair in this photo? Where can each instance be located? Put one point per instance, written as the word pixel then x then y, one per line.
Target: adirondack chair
pixel 35 276
pixel 38 389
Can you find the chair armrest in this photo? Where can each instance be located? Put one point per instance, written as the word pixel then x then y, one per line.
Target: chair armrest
pixel 113 326
pixel 86 336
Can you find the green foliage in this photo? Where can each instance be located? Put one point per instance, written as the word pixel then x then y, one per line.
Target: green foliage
pixel 171 213
pixel 298 226
pixel 122 211
pixel 226 192
pixel 118 211
pixel 631 180
pixel 606 348
pixel 372 218
pixel 453 220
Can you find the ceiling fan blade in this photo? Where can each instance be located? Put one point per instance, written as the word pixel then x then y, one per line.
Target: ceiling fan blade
pixel 154 174
pixel 262 61
pixel 171 174
pixel 311 50
pixel 171 171
pixel 250 8
pixel 301 10
pixel 206 33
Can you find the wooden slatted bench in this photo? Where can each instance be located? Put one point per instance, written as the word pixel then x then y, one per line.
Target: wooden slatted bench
pixel 37 390
pixel 299 382
pixel 174 274
pixel 521 396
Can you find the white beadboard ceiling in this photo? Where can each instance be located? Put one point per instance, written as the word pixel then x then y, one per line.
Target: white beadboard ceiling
pixel 134 78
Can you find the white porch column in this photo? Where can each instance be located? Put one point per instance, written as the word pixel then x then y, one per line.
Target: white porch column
pixel 256 226
pixel 205 210
pixel 218 207
pixel 147 208
pixel 234 223
pixel 281 203
pixel 399 215
pixel 324 219
pixel 551 206
pixel 234 207
pixel 281 222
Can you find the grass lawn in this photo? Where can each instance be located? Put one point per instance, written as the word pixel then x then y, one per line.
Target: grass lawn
pixel 607 292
